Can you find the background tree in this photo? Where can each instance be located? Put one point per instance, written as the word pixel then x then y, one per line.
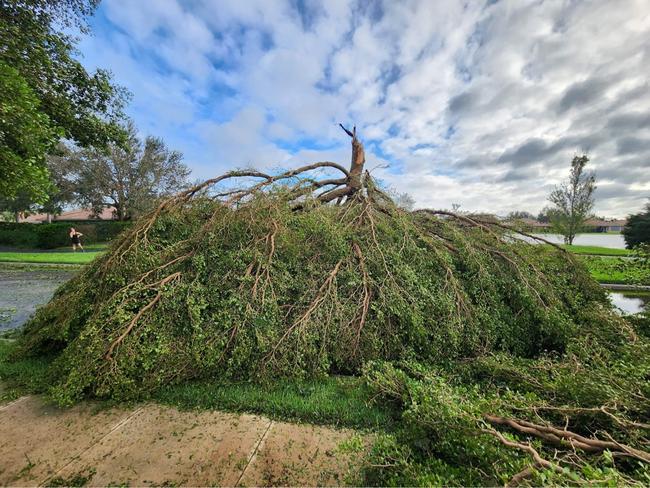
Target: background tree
pixel 45 93
pixel 129 177
pixel 402 200
pixel 18 206
pixel 573 200
pixel 637 229
pixel 61 167
pixel 544 215
pixel 520 214
pixel 60 189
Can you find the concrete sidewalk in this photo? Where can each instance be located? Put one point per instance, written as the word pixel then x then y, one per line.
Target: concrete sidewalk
pixel 156 445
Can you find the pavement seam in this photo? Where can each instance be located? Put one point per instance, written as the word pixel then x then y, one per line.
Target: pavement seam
pixel 116 427
pixel 11 404
pixel 254 453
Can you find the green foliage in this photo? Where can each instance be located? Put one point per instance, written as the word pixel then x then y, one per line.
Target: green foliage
pixel 446 438
pixel 29 375
pixel 637 229
pixel 573 200
pixel 452 322
pixel 51 236
pixel 45 93
pixel 131 177
pixel 632 271
pixel 262 291
pixel 26 135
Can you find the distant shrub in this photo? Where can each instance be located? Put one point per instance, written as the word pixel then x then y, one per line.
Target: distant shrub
pixel 637 229
pixel 50 236
pixel 19 235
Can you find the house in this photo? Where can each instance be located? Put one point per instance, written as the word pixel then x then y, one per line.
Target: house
pixel 612 225
pixel 108 213
pixel 534 224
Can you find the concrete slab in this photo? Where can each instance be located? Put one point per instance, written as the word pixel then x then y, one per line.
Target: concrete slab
pixel 163 446
pixel 303 455
pixel 156 445
pixel 37 439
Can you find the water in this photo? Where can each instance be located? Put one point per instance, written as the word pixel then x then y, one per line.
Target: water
pixel 629 301
pixel 23 290
pixel 613 241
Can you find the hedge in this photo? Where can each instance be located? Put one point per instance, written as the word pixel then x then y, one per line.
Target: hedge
pixel 49 236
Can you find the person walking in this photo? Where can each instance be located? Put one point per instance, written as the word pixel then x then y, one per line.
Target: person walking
pixel 75 237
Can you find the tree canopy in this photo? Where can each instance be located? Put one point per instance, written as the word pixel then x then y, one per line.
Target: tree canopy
pixel 46 93
pixel 129 177
pixel 573 200
pixel 637 229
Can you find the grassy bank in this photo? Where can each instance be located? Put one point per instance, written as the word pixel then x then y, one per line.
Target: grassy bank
pixel 49 257
pixel 596 250
pixel 617 271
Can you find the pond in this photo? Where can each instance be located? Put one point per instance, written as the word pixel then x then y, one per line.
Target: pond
pixel 23 289
pixel 614 241
pixel 630 301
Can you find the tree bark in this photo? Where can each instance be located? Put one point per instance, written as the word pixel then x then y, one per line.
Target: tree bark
pixel 358 161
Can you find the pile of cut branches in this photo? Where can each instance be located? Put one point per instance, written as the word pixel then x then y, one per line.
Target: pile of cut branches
pixel 300 273
pixel 316 271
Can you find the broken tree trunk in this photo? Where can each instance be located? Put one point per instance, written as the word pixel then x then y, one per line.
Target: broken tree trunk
pixel 354 180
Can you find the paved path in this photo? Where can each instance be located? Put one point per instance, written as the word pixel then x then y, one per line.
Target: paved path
pixel 156 445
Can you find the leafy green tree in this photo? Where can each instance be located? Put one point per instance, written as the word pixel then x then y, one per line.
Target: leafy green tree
pixel 129 177
pixel 25 136
pixel 573 200
pixel 637 229
pixel 46 93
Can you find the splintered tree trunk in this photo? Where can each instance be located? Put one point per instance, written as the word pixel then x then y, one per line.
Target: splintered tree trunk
pixel 353 182
pixel 357 163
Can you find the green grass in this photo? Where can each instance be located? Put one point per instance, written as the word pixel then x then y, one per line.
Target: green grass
pixel 98 246
pixel 21 377
pixel 334 400
pixel 596 250
pixel 49 257
pixel 616 271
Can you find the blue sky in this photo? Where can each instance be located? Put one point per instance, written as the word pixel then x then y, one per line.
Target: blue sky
pixel 477 103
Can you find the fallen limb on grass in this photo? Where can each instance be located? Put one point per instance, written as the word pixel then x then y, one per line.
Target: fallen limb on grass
pixel 566 438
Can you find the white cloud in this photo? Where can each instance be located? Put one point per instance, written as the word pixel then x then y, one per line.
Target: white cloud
pixel 481 104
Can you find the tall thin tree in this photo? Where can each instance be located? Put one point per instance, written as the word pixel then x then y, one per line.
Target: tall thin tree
pixel 573 200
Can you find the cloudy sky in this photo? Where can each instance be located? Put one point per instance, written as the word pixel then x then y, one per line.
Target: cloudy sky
pixel 481 103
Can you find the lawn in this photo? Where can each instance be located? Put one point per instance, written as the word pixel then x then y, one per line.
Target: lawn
pixel 616 271
pixel 596 250
pixel 97 246
pixel 342 401
pixel 68 257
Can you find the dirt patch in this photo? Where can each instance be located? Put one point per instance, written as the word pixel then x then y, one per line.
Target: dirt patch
pixel 155 445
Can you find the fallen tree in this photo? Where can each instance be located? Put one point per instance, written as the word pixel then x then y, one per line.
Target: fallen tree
pixel 313 271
